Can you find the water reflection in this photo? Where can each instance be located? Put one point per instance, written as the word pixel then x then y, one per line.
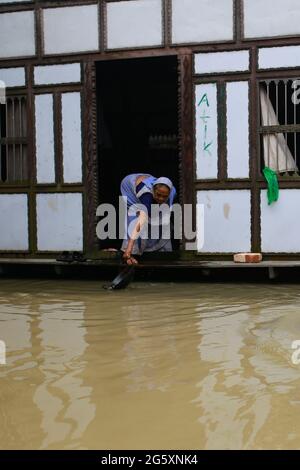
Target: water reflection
pixel 62 397
pixel 247 358
pixel 15 331
pixel 232 402
pixel 43 391
pixel 161 366
pixel 148 349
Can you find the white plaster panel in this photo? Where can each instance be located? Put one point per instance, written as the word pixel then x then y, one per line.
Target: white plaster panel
pixel 14 222
pixel 17 34
pixel 53 74
pixel 206 131
pixel 59 222
pixel 220 62
pixel 13 77
pixel 202 21
pixel 44 132
pixel 279 57
pixel 136 23
pixel 270 18
pixel 71 29
pixel 280 224
pixel 227 227
pixel 237 129
pixel 71 133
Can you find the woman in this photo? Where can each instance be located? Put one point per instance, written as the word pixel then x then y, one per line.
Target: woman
pixel 148 191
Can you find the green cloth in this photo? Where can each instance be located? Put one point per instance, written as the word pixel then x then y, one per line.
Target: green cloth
pixel 273 188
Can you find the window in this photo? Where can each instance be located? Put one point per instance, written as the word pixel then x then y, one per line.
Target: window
pixel 280 126
pixel 13 140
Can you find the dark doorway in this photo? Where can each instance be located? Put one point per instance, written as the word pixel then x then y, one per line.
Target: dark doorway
pixel 137 111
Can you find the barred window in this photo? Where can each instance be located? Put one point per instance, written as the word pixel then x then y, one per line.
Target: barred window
pixel 280 125
pixel 13 140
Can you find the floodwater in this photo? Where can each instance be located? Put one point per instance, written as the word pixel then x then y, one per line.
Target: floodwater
pixel 156 366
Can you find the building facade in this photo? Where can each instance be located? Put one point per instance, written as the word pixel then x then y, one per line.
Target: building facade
pixel 202 91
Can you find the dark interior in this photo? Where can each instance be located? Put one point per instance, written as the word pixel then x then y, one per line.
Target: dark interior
pixel 137 116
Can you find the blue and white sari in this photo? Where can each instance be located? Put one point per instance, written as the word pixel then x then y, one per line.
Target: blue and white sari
pixel 145 242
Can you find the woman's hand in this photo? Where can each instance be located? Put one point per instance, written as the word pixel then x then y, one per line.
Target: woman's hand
pixel 128 259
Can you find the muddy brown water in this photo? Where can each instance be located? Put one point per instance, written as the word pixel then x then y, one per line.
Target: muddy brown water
pixel 156 366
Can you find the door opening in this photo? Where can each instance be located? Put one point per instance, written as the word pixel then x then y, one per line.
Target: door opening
pixel 137 130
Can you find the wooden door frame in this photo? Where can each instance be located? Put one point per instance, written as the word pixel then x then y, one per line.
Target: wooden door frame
pixel 91 163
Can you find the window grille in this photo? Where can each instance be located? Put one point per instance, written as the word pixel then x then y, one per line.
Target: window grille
pixel 280 125
pixel 13 140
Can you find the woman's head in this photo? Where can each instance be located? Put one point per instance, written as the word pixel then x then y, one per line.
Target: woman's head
pixel 161 190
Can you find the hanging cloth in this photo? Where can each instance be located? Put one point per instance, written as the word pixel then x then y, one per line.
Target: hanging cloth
pixel 277 154
pixel 272 181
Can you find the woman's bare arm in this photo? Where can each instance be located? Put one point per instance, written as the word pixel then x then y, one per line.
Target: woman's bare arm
pixel 142 219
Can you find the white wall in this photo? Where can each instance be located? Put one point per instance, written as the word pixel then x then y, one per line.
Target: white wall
pixel 71 29
pixel 206 131
pixel 134 24
pixel 14 222
pixel 279 57
pixel 227 227
pixel 71 136
pixel 202 21
pixel 237 129
pixel 13 77
pixel 270 18
pixel 280 224
pixel 44 132
pixel 59 222
pixel 221 62
pixel 55 74
pixel 17 34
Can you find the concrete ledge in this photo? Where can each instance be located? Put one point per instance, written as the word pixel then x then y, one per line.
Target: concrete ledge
pixel 155 264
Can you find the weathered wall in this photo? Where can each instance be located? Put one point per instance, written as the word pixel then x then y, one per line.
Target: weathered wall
pixel 232 43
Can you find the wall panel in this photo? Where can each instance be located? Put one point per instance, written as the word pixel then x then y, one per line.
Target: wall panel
pixel 206 131
pixel 279 57
pixel 13 77
pixel 271 18
pixel 221 62
pixel 59 222
pixel 71 136
pixel 196 21
pixel 237 129
pixel 70 29
pixel 14 222
pixel 136 23
pixel 44 131
pixel 17 34
pixel 280 224
pixel 227 227
pixel 56 74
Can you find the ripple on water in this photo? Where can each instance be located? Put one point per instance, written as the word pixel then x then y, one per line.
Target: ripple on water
pixel 89 368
